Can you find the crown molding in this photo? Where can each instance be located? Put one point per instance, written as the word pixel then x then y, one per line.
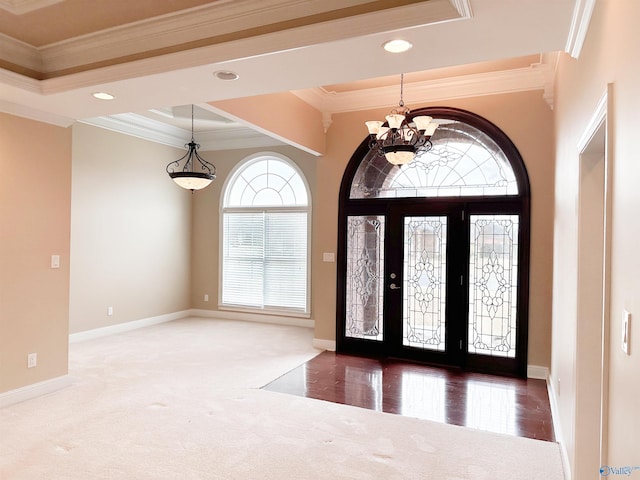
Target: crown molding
pixel 33 114
pixel 142 127
pixel 22 82
pixel 582 12
pixel 228 138
pixel 20 53
pixel 550 62
pixel 463 7
pixel 535 77
pixel 19 7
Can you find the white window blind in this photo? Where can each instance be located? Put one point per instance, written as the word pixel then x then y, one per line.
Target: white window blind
pixel 243 259
pixel 265 250
pixel 265 259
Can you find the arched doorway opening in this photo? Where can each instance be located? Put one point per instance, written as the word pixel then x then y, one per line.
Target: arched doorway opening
pixel 433 256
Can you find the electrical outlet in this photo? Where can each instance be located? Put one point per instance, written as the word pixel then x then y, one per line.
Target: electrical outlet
pixel 110 311
pixel 32 360
pixel 206 297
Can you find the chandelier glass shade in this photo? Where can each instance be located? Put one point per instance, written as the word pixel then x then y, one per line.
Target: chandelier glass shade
pixel 192 172
pixel 401 136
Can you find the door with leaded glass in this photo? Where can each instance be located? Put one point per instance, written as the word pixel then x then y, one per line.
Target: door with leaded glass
pixel 421 292
pixel 433 264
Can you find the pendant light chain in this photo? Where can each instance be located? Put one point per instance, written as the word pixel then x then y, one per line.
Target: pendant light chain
pixel 192 123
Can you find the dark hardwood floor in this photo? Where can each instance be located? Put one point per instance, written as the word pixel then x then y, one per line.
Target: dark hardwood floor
pixel 497 404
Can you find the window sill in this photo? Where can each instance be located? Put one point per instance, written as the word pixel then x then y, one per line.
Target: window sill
pixel 264 312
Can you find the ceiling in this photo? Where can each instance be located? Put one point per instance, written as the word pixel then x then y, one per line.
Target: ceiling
pixel 158 57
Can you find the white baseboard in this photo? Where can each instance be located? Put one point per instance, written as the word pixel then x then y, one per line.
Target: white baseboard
pixel 223 315
pixel 538 372
pixel 126 327
pixel 322 344
pixel 35 390
pixel 542 373
pixel 557 427
pixel 254 317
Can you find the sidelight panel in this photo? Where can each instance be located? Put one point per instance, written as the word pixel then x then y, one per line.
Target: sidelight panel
pixel 364 277
pixel 493 284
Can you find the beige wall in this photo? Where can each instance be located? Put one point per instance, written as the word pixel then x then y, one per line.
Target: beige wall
pixel 130 231
pixel 517 114
pixel 35 186
pixel 608 56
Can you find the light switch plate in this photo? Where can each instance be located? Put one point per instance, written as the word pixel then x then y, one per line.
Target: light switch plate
pixel 55 261
pixel 626 325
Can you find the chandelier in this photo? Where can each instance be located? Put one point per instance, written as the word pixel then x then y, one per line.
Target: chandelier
pixel 401 137
pixel 192 171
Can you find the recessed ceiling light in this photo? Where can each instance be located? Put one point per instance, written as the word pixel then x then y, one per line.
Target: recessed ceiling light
pixel 226 75
pixel 397 46
pixel 103 96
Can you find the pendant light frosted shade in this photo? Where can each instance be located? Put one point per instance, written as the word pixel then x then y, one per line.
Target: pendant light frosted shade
pixel 399 156
pixel 190 181
pixel 395 120
pixel 422 122
pixel 374 126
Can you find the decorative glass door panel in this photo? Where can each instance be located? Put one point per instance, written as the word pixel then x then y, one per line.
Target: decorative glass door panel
pixel 424 282
pixel 493 284
pixel 365 277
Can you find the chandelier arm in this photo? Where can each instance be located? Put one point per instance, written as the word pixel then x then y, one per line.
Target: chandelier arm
pixel 204 165
pixel 175 165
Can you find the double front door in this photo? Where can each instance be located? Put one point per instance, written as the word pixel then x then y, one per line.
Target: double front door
pixel 434 282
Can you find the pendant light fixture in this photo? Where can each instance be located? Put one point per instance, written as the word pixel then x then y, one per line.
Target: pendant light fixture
pixel 192 171
pixel 401 137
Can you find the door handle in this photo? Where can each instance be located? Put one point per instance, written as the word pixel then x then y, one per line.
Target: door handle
pixel 393 286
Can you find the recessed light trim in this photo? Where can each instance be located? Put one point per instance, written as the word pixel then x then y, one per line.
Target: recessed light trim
pixel 397 46
pixel 103 96
pixel 226 75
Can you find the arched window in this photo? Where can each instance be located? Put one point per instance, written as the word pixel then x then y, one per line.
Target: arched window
pixel 265 237
pixel 433 256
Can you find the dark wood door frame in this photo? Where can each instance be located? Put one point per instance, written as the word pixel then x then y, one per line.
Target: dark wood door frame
pixel 471 205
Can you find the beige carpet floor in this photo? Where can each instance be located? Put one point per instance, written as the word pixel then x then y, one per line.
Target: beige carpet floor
pixel 182 400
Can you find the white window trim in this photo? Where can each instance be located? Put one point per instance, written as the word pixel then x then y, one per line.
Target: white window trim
pixel 308 208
